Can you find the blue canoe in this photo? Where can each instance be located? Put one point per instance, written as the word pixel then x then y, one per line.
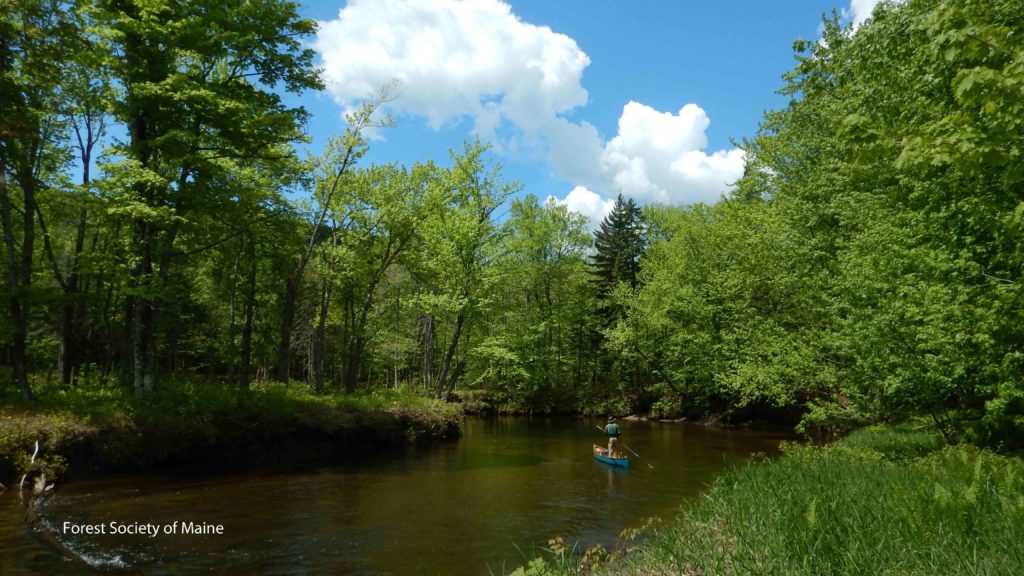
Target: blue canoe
pixel 600 454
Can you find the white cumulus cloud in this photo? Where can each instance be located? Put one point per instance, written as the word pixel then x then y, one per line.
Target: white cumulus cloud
pixel 659 157
pixel 859 11
pixel 587 203
pixel 455 59
pixel 452 59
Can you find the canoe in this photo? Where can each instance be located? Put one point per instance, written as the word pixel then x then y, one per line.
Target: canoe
pixel 600 454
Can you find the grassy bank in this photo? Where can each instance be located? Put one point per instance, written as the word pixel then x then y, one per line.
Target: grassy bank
pixel 881 501
pixel 106 429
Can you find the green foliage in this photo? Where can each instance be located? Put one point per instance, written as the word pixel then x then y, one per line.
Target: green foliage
pixel 108 428
pixel 534 352
pixel 922 203
pixel 884 500
pixel 37 40
pixel 821 512
pixel 715 310
pixel 461 241
pixel 866 270
pixel 868 267
pixel 896 443
pixel 196 103
pixel 618 245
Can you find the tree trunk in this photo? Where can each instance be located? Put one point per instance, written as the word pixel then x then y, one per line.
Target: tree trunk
pixel 428 337
pixel 27 252
pixel 287 320
pixel 127 335
pixel 144 329
pixel 355 361
pixel 17 286
pixel 250 311
pixel 18 357
pixel 146 64
pixel 443 388
pixel 318 343
pixel 66 348
pixel 358 344
pixel 396 328
pixel 232 348
pixel 68 351
pixel 456 374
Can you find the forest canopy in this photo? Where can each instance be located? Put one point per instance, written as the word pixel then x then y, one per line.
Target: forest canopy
pixel 158 222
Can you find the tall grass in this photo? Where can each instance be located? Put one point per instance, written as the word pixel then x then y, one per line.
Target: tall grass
pixel 896 442
pixel 882 501
pixel 845 511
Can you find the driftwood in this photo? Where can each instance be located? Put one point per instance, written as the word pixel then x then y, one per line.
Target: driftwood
pixel 41 484
pixel 39 490
pixel 21 485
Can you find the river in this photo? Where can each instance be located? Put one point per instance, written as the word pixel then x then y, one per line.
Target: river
pixel 472 506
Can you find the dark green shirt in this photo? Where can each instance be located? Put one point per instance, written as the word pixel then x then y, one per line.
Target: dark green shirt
pixel 612 429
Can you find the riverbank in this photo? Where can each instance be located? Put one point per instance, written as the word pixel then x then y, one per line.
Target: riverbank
pixel 881 501
pixel 90 430
pixel 507 483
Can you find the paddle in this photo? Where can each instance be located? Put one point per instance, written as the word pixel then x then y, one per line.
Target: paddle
pixel 638 456
pixel 630 449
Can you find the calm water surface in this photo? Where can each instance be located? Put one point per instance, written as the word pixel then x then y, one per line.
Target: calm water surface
pixel 465 507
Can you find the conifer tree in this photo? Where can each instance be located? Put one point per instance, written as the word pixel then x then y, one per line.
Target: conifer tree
pixel 618 245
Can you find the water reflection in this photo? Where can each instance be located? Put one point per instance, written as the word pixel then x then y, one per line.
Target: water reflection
pixel 458 508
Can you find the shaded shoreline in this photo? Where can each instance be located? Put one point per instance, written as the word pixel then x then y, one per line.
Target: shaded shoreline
pixel 504 486
pixel 217 429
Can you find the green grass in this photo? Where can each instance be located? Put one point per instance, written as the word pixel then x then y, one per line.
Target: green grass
pixel 882 501
pixel 106 428
pixel 895 442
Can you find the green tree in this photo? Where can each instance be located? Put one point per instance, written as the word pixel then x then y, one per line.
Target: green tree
pixel 460 239
pixel 897 168
pixel 720 317
pixel 87 93
pixel 385 208
pixel 234 258
pixel 33 36
pixel 338 159
pixel 618 246
pixel 530 352
pixel 197 80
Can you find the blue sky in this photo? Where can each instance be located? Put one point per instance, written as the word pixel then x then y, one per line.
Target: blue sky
pixel 582 99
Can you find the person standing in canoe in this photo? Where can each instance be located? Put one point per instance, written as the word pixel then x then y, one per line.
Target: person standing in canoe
pixel 612 430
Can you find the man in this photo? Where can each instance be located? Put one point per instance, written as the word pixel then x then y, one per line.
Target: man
pixel 612 430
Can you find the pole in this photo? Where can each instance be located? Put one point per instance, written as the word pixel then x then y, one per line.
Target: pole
pixel 630 449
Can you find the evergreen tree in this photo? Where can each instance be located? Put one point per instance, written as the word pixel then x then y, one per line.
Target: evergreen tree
pixel 618 245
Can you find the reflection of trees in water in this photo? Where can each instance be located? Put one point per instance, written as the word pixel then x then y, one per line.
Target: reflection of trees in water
pixel 521 480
